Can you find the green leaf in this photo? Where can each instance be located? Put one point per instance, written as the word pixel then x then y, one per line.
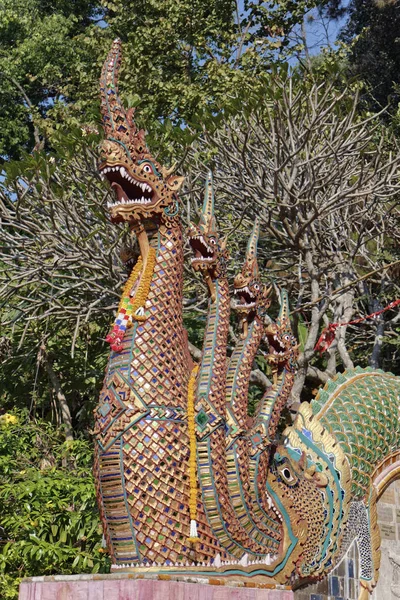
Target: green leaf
pixel 302 333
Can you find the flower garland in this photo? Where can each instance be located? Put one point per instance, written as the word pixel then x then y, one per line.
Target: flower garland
pixel 192 457
pixel 131 308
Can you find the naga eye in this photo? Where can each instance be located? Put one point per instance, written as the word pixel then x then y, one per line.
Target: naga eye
pixel 287 476
pixel 147 169
pixel 256 287
pixel 212 241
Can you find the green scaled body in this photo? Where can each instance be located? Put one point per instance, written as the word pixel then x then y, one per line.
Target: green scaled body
pixel 360 407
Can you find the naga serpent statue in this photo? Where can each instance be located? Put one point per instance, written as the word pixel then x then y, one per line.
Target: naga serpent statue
pixel 187 483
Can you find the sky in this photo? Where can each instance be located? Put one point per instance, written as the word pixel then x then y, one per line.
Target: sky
pixel 320 33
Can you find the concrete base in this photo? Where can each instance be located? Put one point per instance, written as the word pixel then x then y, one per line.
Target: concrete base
pixel 122 587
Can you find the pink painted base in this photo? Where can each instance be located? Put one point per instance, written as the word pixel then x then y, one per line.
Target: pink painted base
pixel 111 587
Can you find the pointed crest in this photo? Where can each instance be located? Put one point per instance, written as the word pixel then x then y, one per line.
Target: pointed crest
pixel 207 219
pixel 251 252
pixel 118 124
pixel 283 320
pixel 114 117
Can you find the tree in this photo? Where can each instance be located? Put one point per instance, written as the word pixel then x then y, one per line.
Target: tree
pixel 375 53
pixel 371 35
pixel 324 180
pixel 43 60
pixel 61 277
pixel 179 56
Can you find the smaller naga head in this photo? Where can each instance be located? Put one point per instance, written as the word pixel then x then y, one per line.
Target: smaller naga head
pixel 143 188
pixel 210 255
pixel 283 346
pixel 252 296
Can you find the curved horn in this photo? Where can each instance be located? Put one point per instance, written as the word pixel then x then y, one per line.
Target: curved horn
pixel 167 172
pixel 115 121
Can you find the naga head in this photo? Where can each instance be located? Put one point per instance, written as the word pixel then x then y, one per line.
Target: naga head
pixel 252 296
pixel 143 188
pixel 310 483
pixel 209 251
pixel 283 346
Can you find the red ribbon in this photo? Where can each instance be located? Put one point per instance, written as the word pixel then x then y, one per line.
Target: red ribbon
pixel 329 333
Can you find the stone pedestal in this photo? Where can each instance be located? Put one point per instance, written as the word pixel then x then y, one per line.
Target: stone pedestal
pixel 122 587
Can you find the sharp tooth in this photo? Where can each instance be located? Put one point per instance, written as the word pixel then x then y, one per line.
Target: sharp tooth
pixel 102 177
pixel 244 561
pixel 122 171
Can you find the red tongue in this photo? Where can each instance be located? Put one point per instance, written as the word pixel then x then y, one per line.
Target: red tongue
pixel 119 191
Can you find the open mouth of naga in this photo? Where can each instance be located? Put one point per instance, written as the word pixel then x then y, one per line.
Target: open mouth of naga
pixel 275 346
pixel 244 299
pixel 129 191
pixel 203 253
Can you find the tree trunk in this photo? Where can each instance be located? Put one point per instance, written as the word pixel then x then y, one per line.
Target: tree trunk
pixel 375 359
pixel 62 401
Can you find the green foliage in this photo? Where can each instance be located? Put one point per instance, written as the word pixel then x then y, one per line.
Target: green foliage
pixel 42 58
pixel 49 520
pixel 180 57
pixel 24 382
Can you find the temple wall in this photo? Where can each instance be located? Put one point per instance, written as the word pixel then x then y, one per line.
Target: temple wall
pixel 120 587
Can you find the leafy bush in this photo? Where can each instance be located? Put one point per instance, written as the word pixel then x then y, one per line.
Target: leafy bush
pixel 49 521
